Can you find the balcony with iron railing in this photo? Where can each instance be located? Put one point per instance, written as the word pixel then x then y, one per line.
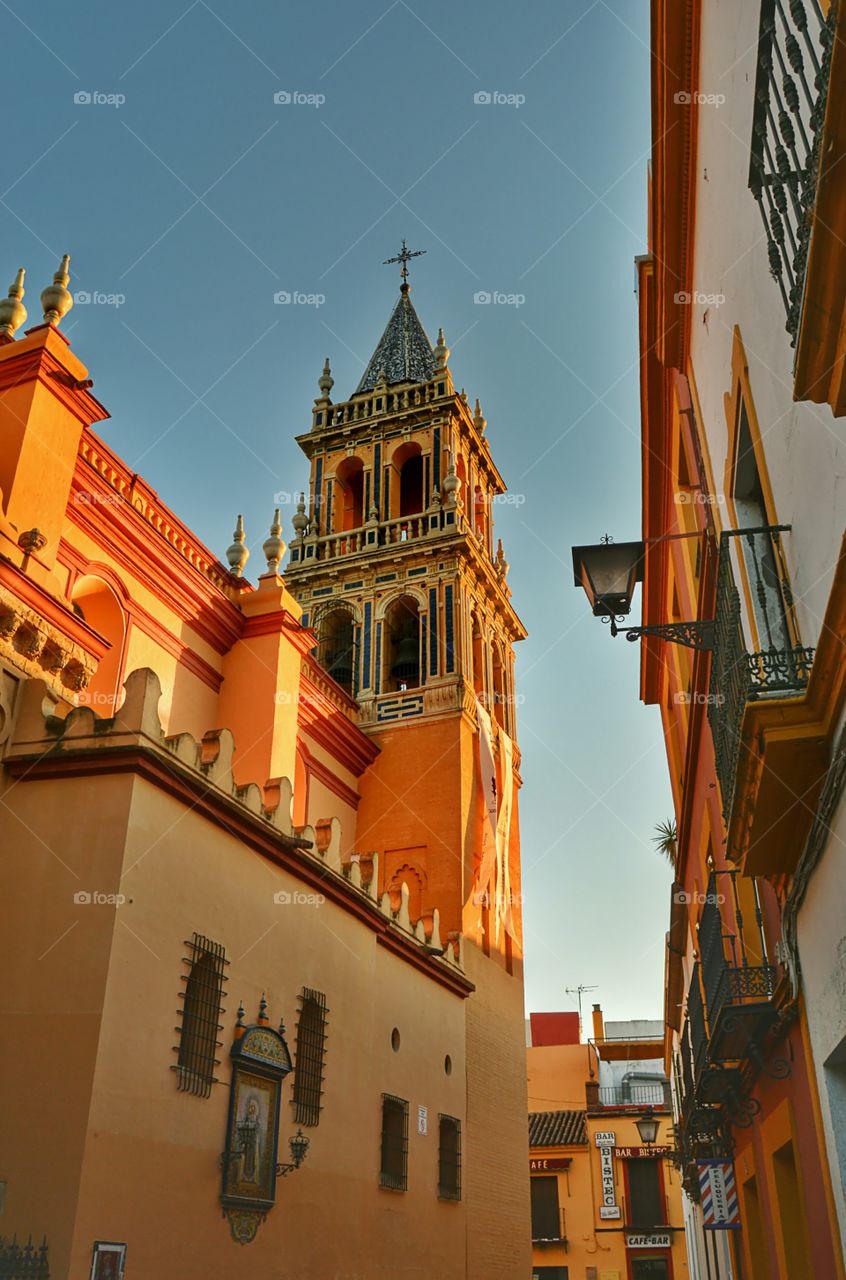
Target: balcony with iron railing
pixel 797 140
pixel 739 988
pixel 715 1082
pixel 773 665
pixel 733 1014
pixel 629 1095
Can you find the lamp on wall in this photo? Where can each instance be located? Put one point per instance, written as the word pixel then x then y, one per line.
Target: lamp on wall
pixel 299 1144
pixel 609 572
pixel 647 1127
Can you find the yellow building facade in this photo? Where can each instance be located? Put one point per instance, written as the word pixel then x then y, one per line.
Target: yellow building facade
pixel 606 1204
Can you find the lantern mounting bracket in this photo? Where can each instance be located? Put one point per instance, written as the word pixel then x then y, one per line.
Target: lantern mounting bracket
pixel 693 635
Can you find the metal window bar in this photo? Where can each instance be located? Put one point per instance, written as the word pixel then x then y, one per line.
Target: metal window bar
pixel 24 1261
pixel 686 1065
pixel 711 946
pixel 795 42
pixel 678 1087
pixel 393 1169
pixel 310 1057
pixel 729 684
pixel 449 1158
pixel 201 1012
pixel 696 1022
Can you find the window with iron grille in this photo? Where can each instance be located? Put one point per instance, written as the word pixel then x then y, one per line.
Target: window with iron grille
pixel 449 1158
pixel 393 1170
pixel 311 1051
pixel 200 1013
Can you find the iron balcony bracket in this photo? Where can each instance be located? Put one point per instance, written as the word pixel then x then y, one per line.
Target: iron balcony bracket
pixel 693 635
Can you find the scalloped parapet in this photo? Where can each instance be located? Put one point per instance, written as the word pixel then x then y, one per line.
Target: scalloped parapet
pixel 137 725
pixel 450 951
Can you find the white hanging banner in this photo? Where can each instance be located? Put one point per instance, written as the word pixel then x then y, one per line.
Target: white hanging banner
pixel 487 768
pixel 503 837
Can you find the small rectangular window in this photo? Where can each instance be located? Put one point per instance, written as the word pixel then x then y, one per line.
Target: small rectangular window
pixel 310 1054
pixel 449 1158
pixel 393 1171
pixel 200 1013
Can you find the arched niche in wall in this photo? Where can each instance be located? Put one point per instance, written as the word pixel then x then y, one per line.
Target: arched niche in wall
pixel 479 648
pixel 98 604
pixel 407 462
pixel 500 687
pixel 349 495
pixel 480 515
pixel 461 472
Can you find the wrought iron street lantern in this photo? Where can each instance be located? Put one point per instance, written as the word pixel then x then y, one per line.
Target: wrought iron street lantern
pixel 298 1144
pixel 609 572
pixel 647 1127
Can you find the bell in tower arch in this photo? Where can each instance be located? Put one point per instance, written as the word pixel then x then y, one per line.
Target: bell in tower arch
pixel 403 627
pixel 336 650
pixel 406 664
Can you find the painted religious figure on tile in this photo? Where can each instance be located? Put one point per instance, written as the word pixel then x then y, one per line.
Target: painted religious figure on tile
pixel 260 1062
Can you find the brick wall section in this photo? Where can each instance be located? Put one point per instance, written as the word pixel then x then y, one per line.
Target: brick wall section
pixel 496 1145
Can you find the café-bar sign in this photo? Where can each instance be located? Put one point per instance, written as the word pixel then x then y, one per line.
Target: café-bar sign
pixel 548 1164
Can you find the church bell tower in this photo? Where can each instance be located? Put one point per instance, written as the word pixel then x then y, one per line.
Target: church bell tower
pixel 395 565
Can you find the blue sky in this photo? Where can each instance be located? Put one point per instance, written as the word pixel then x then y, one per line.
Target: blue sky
pixel 198 198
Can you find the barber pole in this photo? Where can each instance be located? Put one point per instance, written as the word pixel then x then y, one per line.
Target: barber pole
pixel 718 1189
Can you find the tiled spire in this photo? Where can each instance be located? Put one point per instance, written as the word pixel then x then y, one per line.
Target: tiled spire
pixel 404 352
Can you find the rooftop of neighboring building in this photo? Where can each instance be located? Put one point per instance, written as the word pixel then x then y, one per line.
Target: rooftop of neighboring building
pixel 557 1129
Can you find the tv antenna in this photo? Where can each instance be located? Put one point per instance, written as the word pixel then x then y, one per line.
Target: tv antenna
pixel 577 992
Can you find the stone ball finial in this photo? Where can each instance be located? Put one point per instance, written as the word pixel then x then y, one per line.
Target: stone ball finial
pixel 12 310
pixel 502 565
pixel 451 483
pixel 300 520
pixel 441 351
pixel 479 419
pixel 238 553
pixel 325 382
pixel 55 299
pixel 273 547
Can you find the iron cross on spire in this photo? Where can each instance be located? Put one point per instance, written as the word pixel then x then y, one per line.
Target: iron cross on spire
pixel 404 256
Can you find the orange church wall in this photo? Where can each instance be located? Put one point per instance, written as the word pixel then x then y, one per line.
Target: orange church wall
pixel 415 796
pixel 146 1153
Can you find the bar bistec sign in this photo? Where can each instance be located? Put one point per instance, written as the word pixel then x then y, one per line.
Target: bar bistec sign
pixel 606 1141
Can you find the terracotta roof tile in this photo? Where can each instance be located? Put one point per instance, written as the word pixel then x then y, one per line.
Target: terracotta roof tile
pixel 557 1129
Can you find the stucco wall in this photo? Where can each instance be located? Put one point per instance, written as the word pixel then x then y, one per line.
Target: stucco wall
pixel 805 446
pixel 822 951
pixel 146 1155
